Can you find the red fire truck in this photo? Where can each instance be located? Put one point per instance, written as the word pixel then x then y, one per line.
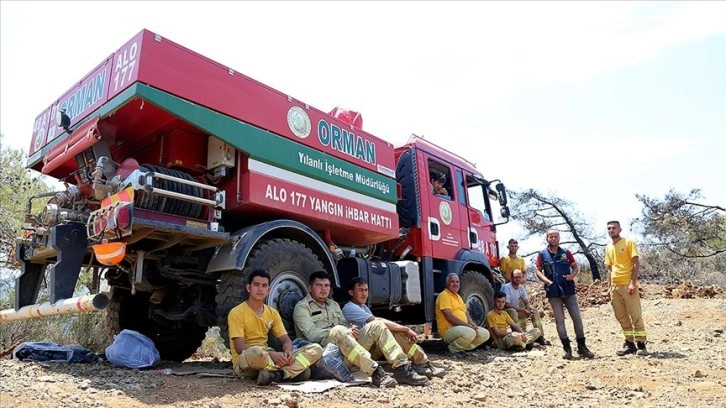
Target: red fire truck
pixel 183 175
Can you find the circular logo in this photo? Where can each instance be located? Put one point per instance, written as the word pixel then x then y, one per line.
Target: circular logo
pixel 39 139
pixel 445 212
pixel 299 122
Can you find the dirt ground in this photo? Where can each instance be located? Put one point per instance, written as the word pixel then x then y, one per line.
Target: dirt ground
pixel 686 367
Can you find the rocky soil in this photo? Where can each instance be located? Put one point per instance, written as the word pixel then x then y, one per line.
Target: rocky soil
pixel 686 368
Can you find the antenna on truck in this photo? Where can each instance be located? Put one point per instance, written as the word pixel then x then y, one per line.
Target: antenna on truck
pixel 415 136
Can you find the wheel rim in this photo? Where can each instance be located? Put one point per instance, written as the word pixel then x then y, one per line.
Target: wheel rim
pixel 286 289
pixel 477 306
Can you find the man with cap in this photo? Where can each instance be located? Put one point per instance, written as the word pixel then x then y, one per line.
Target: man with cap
pixel 437 184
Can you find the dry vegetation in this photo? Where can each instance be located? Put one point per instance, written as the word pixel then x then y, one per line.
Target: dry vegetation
pixel 686 367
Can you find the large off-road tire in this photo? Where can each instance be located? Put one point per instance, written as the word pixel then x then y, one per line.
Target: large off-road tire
pixel 478 294
pixel 175 341
pixel 289 264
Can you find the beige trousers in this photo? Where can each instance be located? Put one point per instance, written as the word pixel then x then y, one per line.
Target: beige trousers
pixel 628 312
pixel 258 358
pixel 376 335
pixel 513 339
pixel 353 352
pixel 382 339
pixel 521 319
pixel 464 338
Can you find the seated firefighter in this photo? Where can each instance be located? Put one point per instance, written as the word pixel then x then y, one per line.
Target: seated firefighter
pixel 437 184
pixel 453 321
pixel 357 313
pixel 499 323
pixel 249 324
pixel 319 319
pixel 518 306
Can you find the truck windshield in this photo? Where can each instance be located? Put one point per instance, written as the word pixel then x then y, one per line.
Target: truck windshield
pixel 477 197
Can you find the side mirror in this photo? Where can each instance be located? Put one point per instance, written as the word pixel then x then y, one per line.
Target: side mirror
pixel 504 212
pixel 502 194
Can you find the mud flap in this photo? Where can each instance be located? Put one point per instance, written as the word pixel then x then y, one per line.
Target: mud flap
pixel 71 242
pixel 27 285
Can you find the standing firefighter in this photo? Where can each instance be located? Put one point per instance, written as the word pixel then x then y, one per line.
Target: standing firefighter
pixel 556 267
pixel 511 261
pixel 621 258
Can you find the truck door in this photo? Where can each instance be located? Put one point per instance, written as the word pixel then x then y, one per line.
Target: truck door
pixel 443 218
pixel 480 234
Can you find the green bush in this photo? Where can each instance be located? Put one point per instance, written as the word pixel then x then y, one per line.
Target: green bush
pixel 87 330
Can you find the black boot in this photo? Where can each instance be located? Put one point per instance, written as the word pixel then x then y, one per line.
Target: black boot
pixel 265 377
pixel 406 375
pixel 582 349
pixel 567 348
pixel 642 351
pixel 628 348
pixel 304 376
pixel 542 342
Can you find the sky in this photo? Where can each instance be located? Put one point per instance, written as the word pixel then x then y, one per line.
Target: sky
pixel 591 101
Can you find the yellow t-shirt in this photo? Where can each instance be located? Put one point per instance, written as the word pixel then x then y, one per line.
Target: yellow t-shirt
pixel 619 257
pixel 244 322
pixel 507 265
pixel 501 321
pixel 453 302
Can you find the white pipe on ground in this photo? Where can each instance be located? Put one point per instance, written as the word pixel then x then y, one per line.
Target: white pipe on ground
pixel 76 305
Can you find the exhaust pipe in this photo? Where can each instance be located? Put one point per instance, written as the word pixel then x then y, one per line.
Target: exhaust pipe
pixel 76 305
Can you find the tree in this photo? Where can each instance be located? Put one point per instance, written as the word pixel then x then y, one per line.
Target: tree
pixel 17 185
pixel 538 213
pixel 682 225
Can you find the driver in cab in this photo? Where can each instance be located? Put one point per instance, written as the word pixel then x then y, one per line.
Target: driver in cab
pixel 437 184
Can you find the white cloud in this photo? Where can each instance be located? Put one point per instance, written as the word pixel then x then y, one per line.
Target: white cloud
pixel 419 60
